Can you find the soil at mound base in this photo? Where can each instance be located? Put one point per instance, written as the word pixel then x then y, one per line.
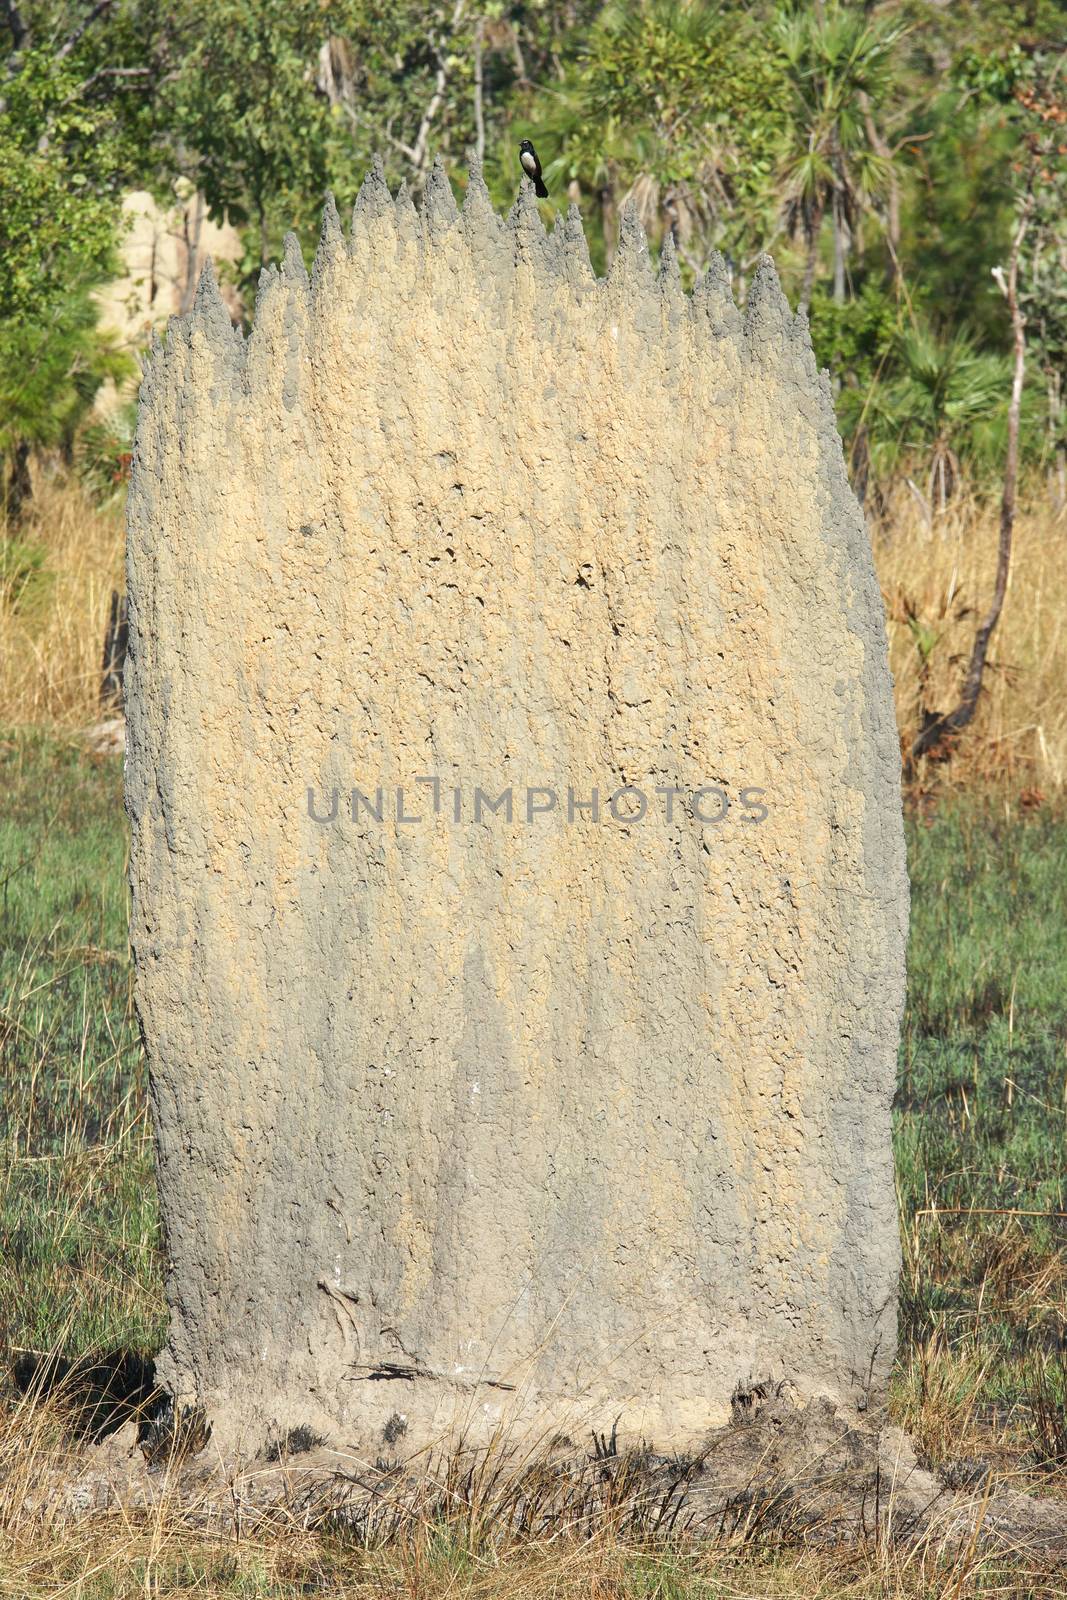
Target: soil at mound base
pixel 806 1472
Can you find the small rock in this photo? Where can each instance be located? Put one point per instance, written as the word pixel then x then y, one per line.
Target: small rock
pixel 107 738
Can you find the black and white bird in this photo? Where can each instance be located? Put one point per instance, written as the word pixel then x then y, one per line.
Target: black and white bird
pixel 532 167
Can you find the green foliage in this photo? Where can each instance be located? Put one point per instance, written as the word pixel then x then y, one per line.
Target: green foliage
pixel 404 79
pixel 930 401
pixel 856 337
pixel 956 214
pixel 51 368
pixel 63 162
pixel 680 106
pixel 60 189
pixel 389 64
pixel 264 144
pixel 979 1120
pixel 992 77
pixel 79 1243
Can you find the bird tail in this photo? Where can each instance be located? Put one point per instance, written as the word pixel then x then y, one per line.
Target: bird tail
pixel 540 190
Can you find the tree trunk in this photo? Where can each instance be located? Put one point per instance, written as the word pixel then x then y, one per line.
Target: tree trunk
pixel 861 463
pixel 892 208
pixel 1057 472
pixel 116 638
pixel 520 60
pixel 936 729
pixel 19 484
pixel 840 249
pixel 479 111
pixel 421 148
pixel 191 237
pixel 813 256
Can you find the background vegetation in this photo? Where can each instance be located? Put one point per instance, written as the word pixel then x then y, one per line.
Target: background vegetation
pixel 884 151
pixel 905 160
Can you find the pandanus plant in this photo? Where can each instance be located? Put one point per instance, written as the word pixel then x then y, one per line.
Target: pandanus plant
pixel 839 65
pixel 943 404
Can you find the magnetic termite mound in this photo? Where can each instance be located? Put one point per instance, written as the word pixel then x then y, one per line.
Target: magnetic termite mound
pixel 519 897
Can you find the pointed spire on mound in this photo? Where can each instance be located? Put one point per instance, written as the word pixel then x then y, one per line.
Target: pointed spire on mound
pixel 525 225
pixel 439 210
pixel 373 200
pixel 669 272
pixel 631 258
pixel 481 222
pixel 767 314
pixel 805 351
pixel 555 245
pixel 477 195
pixel 564 251
pixel 210 318
pixel 330 232
pixel 407 218
pixel 331 239
pixel 267 286
pixel 577 265
pixel 672 297
pixel 713 297
pixel 293 268
pixel 209 312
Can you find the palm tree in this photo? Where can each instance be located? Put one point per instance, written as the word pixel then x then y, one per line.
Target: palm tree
pixel 839 67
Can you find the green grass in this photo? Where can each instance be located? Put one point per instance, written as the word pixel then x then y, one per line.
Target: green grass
pixel 79 1250
pixel 981 1125
pixel 981 1118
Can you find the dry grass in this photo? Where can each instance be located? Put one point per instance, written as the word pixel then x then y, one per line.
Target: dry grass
pixel 52 627
pixel 938 581
pixel 461 1540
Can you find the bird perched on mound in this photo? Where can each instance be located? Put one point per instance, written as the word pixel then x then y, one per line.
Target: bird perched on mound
pixel 532 167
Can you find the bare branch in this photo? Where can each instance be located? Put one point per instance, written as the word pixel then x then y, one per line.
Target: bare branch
pixel 936 729
pixel 479 110
pixel 906 139
pixel 74 38
pixel 520 59
pixel 19 30
pixel 881 149
pixel 398 144
pixel 420 147
pixel 20 33
pixel 107 72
